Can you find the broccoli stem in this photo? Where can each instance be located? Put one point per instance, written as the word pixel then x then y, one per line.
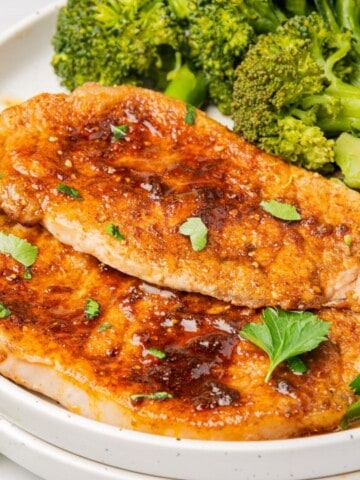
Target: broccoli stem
pixel 187 86
pixel 348 14
pixel 327 14
pixel 347 156
pixel 269 17
pixel 297 7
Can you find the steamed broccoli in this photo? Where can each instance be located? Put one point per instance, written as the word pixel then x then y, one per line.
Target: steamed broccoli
pixel 218 33
pixel 340 16
pixel 290 93
pixel 119 41
pixel 218 37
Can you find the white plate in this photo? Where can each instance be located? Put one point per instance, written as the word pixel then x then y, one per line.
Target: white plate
pixel 25 54
pixel 303 458
pixel 51 462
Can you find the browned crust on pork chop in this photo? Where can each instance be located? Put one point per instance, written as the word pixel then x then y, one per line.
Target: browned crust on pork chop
pixel 165 171
pixel 215 378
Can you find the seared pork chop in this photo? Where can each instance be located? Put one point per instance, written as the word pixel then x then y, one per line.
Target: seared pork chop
pixel 64 165
pixel 144 340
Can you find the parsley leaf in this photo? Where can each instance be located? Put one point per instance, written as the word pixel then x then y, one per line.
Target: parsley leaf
pixel 18 248
pixel 353 412
pixel 114 231
pixel 351 416
pixel 285 334
pixel 69 191
pixel 118 131
pixel 197 231
pixel 160 396
pixel 190 114
pixel 4 312
pixel 281 210
pixel 355 385
pixel 92 308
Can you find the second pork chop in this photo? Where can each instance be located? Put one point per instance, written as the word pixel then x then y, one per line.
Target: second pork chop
pixel 129 160
pixel 157 360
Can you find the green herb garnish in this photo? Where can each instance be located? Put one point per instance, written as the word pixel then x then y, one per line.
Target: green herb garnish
pixel 197 231
pixel 104 326
pixel 118 131
pixel 297 365
pixel 281 210
pixel 159 396
pixel 348 240
pixel 351 416
pixel 157 353
pixel 284 335
pixel 27 274
pixel 355 385
pixel 114 231
pixel 18 248
pixel 92 308
pixel 190 114
pixel 4 312
pixel 353 413
pixel 69 191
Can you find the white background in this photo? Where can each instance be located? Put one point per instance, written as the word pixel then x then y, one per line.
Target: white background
pixel 13 11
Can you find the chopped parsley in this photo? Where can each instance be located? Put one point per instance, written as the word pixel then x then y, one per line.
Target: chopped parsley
pixel 284 335
pixel 157 353
pixel 19 249
pixel 114 231
pixel 355 385
pixel 281 210
pixel 195 229
pixel 92 308
pixel 118 131
pixel 297 365
pixel 4 312
pixel 159 396
pixel 353 413
pixel 104 326
pixel 190 114
pixel 69 191
pixel 348 240
pixel 27 274
pixel 351 416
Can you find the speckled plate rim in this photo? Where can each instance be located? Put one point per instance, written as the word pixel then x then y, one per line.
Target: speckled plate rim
pixel 304 458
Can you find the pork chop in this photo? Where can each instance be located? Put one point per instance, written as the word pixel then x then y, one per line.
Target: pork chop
pixel 179 353
pixel 126 158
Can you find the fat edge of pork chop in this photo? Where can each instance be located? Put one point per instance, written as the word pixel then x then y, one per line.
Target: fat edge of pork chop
pixel 93 366
pixel 163 172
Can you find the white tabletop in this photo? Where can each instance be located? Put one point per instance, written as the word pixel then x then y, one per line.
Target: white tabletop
pixel 11 12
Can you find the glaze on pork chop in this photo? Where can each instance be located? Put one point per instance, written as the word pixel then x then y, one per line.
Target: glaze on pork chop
pixel 215 378
pixel 165 171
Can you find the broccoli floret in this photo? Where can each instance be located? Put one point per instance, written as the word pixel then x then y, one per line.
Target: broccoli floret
pixel 218 37
pixel 291 78
pixel 218 33
pixel 115 41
